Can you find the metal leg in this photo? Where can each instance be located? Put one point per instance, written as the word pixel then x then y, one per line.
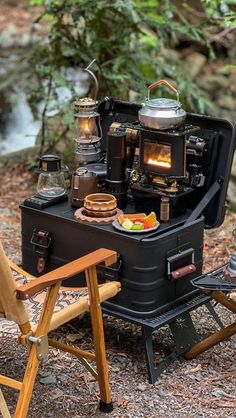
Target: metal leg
pixel 182 328
pixel 154 371
pixel 214 314
pixel 149 355
pixel 184 333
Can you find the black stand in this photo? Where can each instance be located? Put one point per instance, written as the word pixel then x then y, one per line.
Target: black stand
pixel 182 329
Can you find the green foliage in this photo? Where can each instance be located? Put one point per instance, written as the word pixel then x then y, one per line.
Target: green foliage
pixel 230 19
pixel 130 40
pixel 125 37
pixel 219 9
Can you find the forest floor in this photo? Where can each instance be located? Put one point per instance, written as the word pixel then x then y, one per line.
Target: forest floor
pixel 203 387
pixel 17 13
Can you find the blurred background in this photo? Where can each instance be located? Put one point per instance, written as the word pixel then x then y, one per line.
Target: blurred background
pixel 46 44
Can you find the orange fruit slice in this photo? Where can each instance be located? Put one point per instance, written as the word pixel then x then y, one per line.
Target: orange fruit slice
pixel 150 219
pixel 131 216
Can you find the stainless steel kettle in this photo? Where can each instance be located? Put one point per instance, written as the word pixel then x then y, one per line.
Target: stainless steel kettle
pixel 162 113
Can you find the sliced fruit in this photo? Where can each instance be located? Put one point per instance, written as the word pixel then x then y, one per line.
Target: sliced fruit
pixel 137 221
pixel 127 224
pixel 137 226
pixel 150 220
pixel 131 216
pixel 142 221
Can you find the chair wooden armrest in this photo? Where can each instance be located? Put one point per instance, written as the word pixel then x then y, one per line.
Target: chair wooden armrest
pixel 49 318
pixel 99 256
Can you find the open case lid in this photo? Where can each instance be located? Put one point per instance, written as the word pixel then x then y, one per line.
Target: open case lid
pixel 223 133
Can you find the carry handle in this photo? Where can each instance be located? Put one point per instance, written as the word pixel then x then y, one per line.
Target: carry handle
pixel 183 271
pixel 166 83
pixel 185 257
pixel 110 271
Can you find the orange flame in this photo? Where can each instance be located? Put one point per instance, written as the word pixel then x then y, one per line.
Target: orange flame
pixel 158 163
pixel 85 126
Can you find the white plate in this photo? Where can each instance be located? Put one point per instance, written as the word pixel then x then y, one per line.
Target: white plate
pixel 133 231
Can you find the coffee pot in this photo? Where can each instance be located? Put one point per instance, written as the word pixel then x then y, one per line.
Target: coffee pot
pixel 51 181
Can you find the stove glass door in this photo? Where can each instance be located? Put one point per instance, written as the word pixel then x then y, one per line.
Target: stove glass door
pixel 157 156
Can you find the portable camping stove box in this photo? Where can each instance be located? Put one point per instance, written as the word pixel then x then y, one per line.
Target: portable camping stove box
pixel 147 288
pixel 155 268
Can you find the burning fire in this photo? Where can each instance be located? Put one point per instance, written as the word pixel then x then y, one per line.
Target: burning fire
pixel 85 126
pixel 158 163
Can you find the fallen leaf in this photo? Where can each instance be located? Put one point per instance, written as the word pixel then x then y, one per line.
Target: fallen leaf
pixel 194 369
pixel 121 401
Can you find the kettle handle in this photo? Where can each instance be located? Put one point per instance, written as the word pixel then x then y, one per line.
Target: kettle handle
pixel 166 83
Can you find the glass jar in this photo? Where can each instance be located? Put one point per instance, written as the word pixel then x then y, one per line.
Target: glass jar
pixel 51 181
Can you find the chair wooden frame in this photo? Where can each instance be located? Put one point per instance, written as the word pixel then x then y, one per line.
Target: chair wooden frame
pixel 36 337
pixel 218 336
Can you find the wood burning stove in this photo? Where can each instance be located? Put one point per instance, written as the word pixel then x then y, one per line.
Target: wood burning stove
pixel 162 167
pixel 175 164
pixel 163 154
pixel 154 268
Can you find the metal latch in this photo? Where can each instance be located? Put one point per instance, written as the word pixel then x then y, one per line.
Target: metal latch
pixel 41 346
pixel 41 242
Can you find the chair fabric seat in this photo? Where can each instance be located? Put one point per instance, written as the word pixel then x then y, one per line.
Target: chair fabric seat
pixel 34 304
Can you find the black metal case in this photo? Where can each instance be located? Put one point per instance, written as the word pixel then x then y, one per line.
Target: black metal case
pixel 147 261
pixel 145 264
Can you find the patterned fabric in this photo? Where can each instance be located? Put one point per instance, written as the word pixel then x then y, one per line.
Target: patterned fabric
pixel 34 304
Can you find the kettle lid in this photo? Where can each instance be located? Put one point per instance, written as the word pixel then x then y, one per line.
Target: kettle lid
pixel 162 103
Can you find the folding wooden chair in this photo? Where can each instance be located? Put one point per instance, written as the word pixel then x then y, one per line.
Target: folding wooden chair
pixel 35 337
pixel 217 336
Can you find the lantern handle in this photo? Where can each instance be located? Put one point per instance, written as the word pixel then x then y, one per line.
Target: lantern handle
pixel 93 76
